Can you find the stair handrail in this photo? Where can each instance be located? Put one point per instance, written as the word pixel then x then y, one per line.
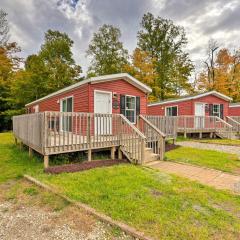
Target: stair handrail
pixel 161 135
pixel 226 125
pixel 152 126
pixel 132 126
pixel 235 122
pixel 224 122
pixel 132 144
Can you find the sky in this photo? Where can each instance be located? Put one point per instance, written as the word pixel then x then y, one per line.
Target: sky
pixel 202 19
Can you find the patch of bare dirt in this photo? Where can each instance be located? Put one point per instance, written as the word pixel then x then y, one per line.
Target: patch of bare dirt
pixel 27 212
pixel 170 147
pixel 83 166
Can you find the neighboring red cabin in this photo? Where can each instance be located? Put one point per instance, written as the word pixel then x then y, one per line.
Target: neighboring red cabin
pixel 116 93
pixel 234 109
pixel 205 104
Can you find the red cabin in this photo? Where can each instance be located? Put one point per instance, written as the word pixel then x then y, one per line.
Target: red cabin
pixel 205 104
pixel 116 93
pixel 234 109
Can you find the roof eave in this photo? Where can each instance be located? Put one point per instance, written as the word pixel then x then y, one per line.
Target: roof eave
pixel 222 96
pixel 104 78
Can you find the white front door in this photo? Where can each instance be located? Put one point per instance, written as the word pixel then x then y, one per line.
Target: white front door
pixel 199 115
pixel 103 105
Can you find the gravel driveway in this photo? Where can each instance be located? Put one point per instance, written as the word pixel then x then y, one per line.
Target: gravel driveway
pixel 31 217
pixel 211 146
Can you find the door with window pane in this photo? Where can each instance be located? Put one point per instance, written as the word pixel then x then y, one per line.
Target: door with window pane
pixel 66 120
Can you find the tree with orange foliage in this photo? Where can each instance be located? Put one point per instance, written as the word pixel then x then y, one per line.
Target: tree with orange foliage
pixel 142 68
pixel 223 75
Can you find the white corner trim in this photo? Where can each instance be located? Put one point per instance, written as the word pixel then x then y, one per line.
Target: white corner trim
pixel 93 80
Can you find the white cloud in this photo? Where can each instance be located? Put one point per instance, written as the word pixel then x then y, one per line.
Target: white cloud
pixel 205 19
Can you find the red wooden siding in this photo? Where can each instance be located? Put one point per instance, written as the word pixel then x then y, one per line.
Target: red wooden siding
pixel 188 107
pixel 234 111
pixel 83 97
pixel 118 87
pixel 80 100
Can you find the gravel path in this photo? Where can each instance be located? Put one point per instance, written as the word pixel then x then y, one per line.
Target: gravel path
pixel 211 146
pixel 27 217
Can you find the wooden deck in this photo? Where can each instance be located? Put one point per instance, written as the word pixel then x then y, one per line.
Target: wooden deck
pixel 204 124
pixel 54 132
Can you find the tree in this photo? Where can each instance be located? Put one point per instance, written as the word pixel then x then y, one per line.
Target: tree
pixel 222 72
pixel 164 42
pixel 58 61
pixel 9 63
pixel 210 63
pixel 51 69
pixel 4 28
pixel 106 52
pixel 142 68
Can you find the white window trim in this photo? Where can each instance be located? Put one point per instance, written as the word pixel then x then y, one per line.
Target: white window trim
pixel 170 107
pixel 135 110
pixel 219 113
pixel 61 100
pixel 102 91
pixel 65 98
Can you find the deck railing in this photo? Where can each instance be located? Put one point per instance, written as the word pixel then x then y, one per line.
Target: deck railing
pixel 201 123
pixel 132 141
pixel 30 129
pixel 223 128
pixel 72 131
pixel 167 125
pixel 155 139
pixel 57 132
pixel 204 124
pixel 235 122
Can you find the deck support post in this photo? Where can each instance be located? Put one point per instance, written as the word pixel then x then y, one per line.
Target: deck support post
pixel 120 156
pixel 46 161
pixel 20 145
pixel 162 148
pixel 89 155
pixel 15 140
pixel 211 134
pixel 30 152
pixel 200 135
pixel 113 153
pixel 143 144
pixel 185 134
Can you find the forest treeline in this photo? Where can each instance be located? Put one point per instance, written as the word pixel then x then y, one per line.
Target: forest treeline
pixel 159 60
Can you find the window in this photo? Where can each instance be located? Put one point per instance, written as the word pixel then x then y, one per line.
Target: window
pixel 216 110
pixel 171 111
pixel 130 108
pixel 66 121
pixel 67 104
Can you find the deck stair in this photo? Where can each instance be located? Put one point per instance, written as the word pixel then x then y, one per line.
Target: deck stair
pixel 234 121
pixel 149 144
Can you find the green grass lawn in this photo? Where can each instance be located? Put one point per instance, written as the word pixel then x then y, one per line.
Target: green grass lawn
pixel 164 206
pixel 13 162
pixel 207 158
